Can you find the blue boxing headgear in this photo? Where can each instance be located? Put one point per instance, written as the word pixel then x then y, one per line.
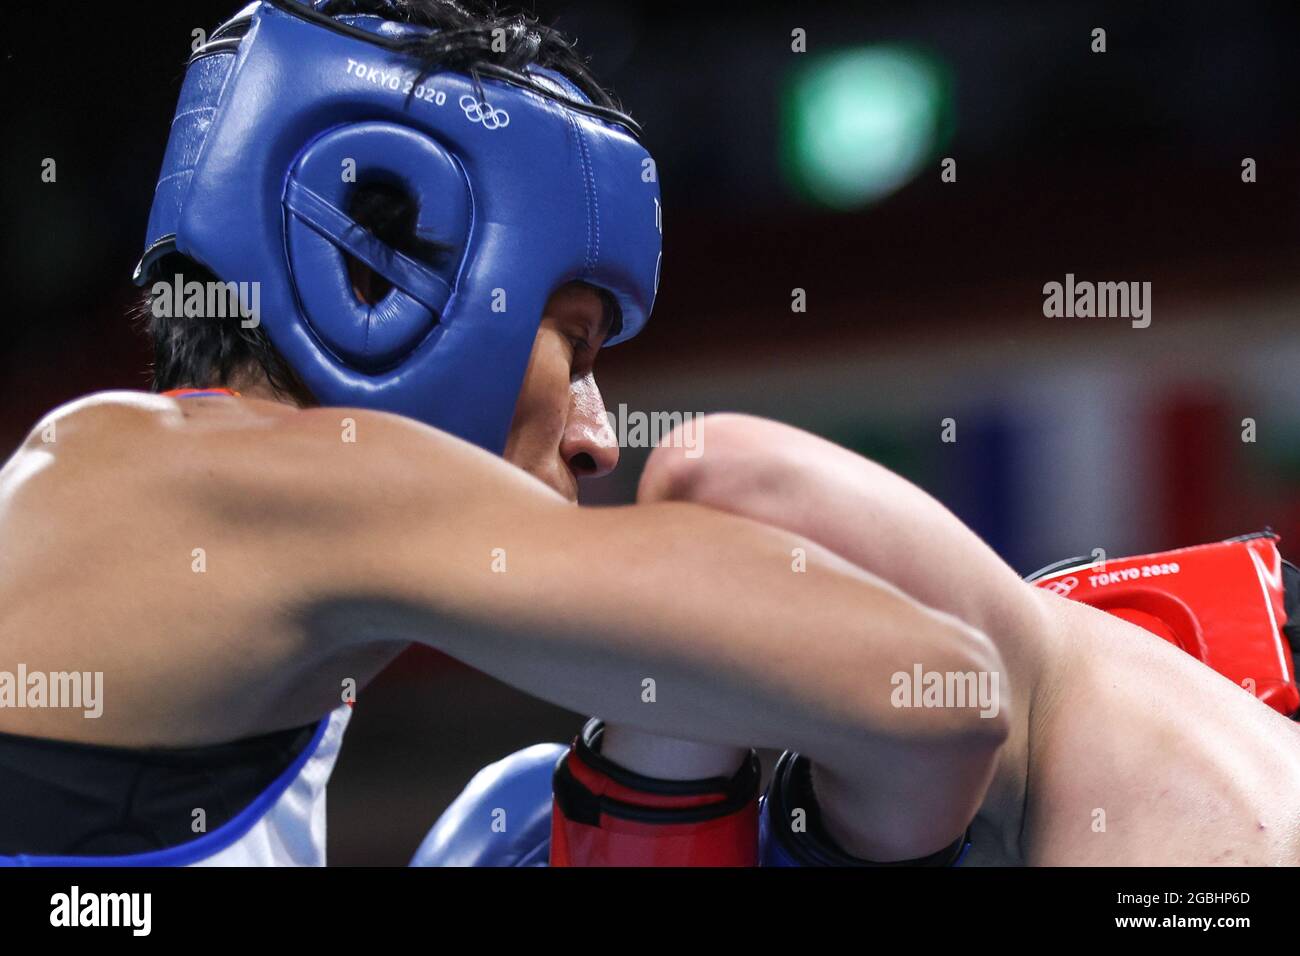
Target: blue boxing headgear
pixel 528 183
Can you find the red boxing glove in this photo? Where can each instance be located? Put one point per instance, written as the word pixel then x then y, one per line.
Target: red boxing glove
pixel 604 815
pixel 1226 604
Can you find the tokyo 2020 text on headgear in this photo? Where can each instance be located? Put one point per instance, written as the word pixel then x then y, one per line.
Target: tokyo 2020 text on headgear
pixel 528 183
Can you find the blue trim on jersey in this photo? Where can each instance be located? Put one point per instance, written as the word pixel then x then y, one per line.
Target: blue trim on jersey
pixel 205 846
pixel 961 856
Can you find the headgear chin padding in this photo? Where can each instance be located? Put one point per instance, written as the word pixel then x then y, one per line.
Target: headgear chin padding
pixel 285 112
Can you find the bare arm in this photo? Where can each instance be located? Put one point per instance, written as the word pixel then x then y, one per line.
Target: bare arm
pixel 791 479
pixel 788 478
pixel 319 549
pixel 594 604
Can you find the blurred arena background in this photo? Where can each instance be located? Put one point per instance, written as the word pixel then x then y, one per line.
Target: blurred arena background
pixel 817 171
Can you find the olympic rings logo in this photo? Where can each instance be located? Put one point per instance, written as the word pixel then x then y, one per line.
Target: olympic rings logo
pixel 1062 587
pixel 484 113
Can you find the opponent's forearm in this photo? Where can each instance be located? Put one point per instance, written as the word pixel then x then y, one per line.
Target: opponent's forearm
pixel 791 479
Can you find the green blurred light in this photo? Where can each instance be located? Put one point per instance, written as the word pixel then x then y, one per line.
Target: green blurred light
pixel 859 123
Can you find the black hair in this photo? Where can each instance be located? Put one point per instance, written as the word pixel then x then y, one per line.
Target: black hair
pixel 210 352
pixel 468 32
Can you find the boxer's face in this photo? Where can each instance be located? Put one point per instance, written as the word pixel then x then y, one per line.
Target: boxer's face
pixel 560 432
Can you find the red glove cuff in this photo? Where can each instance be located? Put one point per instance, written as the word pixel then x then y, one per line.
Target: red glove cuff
pixel 605 815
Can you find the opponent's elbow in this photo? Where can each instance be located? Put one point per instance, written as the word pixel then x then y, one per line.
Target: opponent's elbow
pixel 714 459
pixel 919 767
pixel 951 688
pixel 975 689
